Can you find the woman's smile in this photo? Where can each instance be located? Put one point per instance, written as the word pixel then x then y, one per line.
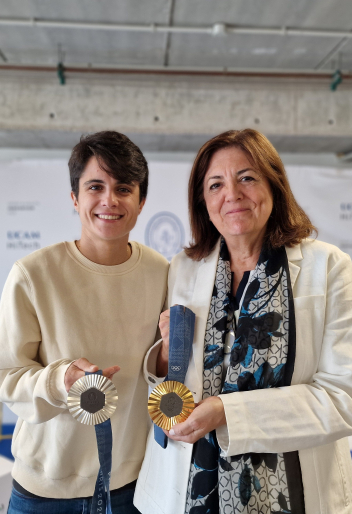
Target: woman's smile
pixel 237 211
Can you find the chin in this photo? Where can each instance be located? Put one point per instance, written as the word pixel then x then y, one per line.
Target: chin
pixel 109 236
pixel 239 230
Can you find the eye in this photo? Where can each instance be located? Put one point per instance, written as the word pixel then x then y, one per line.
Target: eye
pixel 214 186
pixel 123 189
pixel 95 187
pixel 247 178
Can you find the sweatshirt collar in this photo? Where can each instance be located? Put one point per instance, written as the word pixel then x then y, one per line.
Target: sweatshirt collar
pixel 119 269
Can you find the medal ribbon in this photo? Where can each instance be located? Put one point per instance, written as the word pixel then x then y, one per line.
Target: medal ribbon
pixel 101 503
pixel 182 322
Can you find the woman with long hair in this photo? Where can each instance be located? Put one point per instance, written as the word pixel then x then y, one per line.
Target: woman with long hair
pixel 271 365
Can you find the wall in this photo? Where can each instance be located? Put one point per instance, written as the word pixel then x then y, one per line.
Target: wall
pixel 36 209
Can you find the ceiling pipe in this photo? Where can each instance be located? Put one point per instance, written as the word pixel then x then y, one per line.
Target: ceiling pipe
pixel 103 26
pixel 216 29
pixel 172 71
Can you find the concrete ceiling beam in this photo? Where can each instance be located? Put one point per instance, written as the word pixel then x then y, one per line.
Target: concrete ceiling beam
pixel 159 105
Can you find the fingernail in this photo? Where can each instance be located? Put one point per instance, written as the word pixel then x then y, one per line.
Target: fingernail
pixel 172 432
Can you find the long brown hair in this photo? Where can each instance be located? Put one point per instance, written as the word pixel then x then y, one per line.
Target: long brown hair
pixel 288 223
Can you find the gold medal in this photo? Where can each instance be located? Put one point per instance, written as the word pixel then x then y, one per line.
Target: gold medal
pixel 170 403
pixel 92 399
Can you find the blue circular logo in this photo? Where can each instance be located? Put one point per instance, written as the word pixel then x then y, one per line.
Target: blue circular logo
pixel 165 234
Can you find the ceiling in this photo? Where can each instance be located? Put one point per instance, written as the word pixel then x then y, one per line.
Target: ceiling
pixel 138 46
pixel 39 45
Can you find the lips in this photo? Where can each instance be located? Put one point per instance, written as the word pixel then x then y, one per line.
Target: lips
pixel 237 211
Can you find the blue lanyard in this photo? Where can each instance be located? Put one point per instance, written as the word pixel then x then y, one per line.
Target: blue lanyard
pixel 182 322
pixel 101 503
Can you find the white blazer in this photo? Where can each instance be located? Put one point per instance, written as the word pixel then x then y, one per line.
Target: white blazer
pixel 312 415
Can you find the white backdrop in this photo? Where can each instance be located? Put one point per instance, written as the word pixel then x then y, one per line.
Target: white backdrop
pixel 37 211
pixel 326 196
pixel 36 208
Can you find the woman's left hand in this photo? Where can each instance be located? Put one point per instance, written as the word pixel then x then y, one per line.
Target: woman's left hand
pixel 208 415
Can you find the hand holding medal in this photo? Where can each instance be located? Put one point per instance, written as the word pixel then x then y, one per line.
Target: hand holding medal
pixel 172 402
pixel 92 400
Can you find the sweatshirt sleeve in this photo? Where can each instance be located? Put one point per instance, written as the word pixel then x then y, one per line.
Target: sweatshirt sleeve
pixel 304 415
pixel 34 392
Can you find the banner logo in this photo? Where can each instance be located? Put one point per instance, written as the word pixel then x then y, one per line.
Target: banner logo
pixel 19 207
pixel 346 211
pixel 165 234
pixel 23 240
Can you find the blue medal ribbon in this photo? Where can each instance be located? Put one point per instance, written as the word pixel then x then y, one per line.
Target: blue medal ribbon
pixel 182 322
pixel 101 503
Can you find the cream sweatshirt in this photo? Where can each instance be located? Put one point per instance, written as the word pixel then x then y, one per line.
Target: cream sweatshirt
pixel 58 306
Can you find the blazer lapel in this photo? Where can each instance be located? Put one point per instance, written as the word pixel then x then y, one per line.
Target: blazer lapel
pixel 294 255
pixel 200 305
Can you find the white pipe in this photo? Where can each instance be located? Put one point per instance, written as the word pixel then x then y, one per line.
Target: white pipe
pixel 286 31
pixel 102 26
pixel 211 29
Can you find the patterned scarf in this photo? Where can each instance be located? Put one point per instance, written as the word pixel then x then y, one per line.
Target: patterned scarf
pixel 262 356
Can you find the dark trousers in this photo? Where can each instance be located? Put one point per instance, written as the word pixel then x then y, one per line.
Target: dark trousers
pixel 121 503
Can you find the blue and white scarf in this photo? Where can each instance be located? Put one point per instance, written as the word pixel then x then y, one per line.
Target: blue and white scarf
pixel 262 356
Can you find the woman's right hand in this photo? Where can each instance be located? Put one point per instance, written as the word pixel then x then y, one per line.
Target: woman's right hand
pixel 162 361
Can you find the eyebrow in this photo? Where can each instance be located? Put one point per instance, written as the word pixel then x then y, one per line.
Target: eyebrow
pixel 99 181
pixel 216 177
pixel 95 180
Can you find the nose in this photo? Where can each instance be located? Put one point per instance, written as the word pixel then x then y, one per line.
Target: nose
pixel 109 199
pixel 233 191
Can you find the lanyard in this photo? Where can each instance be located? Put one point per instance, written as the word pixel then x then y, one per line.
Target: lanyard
pixel 182 322
pixel 101 503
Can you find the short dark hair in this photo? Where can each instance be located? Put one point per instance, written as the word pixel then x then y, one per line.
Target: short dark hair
pixel 288 223
pixel 116 155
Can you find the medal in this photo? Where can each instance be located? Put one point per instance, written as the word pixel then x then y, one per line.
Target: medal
pixel 170 403
pixel 92 399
